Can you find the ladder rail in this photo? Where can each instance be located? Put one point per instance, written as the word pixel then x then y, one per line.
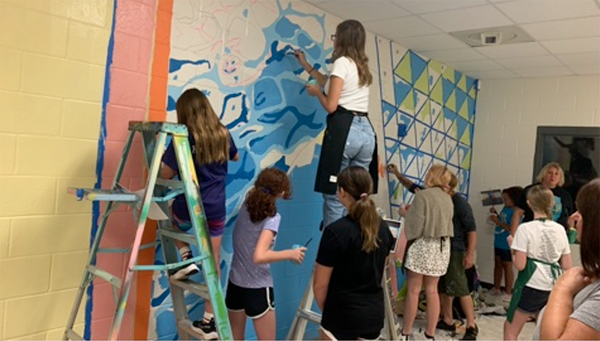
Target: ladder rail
pixel 143 215
pixel 194 204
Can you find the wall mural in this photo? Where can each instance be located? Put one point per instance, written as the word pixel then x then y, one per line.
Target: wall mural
pixel 428 113
pixel 239 54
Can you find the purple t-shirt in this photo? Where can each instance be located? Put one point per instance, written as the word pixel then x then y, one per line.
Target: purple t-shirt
pixel 212 183
pixel 244 272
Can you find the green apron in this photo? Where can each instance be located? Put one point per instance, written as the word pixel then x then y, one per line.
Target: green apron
pixel 522 280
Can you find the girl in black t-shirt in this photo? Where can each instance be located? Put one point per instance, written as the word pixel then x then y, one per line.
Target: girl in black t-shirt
pixel 350 263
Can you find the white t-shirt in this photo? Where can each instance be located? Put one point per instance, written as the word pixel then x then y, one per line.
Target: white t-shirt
pixel 353 97
pixel 543 240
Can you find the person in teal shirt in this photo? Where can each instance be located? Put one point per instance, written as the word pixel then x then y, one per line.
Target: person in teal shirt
pixel 503 266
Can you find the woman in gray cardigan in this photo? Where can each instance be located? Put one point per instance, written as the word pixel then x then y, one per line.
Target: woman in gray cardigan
pixel 428 228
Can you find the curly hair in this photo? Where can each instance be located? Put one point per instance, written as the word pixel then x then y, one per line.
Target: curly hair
pixel 270 185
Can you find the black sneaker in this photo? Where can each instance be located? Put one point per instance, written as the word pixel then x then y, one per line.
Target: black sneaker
pixel 207 330
pixel 185 271
pixel 471 333
pixel 445 326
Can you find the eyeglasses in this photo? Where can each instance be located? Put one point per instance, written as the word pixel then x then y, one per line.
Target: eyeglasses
pixel 333 37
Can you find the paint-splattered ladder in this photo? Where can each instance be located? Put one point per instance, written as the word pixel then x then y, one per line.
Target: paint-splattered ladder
pixel 157 191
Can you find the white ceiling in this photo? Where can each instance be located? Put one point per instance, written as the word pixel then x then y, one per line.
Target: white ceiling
pixel 566 33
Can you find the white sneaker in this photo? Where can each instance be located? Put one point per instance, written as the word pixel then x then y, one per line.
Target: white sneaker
pixel 186 271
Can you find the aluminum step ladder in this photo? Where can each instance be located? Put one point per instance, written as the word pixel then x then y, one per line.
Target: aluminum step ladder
pixel 391 327
pixel 157 192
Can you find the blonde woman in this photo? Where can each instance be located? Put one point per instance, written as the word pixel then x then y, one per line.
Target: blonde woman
pixel 552 177
pixel 349 137
pixel 350 263
pixel 428 228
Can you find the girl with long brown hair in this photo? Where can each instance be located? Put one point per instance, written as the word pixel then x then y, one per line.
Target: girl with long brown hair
pixel 350 263
pixel 212 147
pixel 250 289
pixel 349 137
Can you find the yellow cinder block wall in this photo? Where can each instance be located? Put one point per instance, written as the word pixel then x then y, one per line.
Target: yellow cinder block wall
pixel 52 63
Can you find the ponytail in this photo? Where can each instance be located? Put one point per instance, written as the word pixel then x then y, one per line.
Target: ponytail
pixel 357 182
pixel 365 213
pixel 541 199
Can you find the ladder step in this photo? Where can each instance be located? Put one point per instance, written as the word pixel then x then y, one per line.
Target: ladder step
pixel 185 326
pixel 183 236
pixel 71 335
pixel 94 194
pixel 191 286
pixel 159 127
pixel 110 278
pixel 173 184
pixel 310 316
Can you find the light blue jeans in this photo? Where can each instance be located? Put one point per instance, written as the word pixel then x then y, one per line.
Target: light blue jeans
pixel 358 151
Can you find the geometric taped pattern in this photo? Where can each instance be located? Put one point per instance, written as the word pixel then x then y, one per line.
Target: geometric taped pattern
pixel 428 119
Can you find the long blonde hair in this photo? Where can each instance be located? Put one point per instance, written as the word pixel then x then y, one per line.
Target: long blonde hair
pixel 210 135
pixel 350 38
pixel 357 182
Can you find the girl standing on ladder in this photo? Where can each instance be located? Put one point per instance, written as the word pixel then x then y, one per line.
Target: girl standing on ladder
pixel 349 137
pixel 212 147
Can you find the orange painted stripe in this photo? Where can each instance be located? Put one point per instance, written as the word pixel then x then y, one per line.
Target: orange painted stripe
pixel 157 112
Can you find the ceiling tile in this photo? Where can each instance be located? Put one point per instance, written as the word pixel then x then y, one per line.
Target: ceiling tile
pixel 572 28
pixel 455 55
pixel 467 18
pixel 513 50
pixel 565 46
pixel 537 11
pixel 364 11
pixel 589 58
pixel 544 72
pixel 478 65
pixel 529 62
pixel 586 69
pixel 424 43
pixel 401 27
pixel 429 6
pixel 494 74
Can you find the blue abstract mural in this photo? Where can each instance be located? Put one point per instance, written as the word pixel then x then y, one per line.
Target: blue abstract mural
pixel 241 57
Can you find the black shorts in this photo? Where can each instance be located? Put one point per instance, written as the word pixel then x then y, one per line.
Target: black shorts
pixel 254 301
pixel 533 300
pixel 504 255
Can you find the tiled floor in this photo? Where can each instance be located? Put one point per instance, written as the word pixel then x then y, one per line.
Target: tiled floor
pixel 490 328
